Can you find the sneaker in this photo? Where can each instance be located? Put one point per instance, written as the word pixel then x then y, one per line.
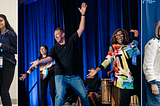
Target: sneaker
pixel 67 103
pixel 73 104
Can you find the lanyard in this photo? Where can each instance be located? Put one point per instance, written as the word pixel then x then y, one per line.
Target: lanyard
pixel 3 35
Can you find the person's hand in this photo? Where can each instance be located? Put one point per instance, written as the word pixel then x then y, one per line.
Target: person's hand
pixel 92 72
pixel 135 32
pixel 154 89
pixel 109 73
pixel 87 91
pixel 22 77
pixel 83 8
pixel 34 64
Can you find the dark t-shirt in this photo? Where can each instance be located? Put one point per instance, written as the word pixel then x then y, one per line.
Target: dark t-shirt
pixel 93 84
pixel 65 56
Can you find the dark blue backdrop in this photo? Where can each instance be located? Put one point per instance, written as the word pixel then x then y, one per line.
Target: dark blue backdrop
pixel 150 16
pixel 39 18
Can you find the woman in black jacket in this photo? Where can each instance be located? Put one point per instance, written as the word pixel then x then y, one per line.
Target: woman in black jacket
pixel 8 47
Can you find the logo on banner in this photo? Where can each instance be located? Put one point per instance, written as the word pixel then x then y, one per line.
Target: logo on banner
pixel 149 1
pixel 155 24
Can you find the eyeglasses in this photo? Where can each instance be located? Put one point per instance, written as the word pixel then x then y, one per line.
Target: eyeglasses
pixel 118 34
pixel 42 49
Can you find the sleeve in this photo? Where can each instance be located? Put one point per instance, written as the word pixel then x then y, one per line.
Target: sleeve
pixel 52 53
pixel 149 57
pixel 13 47
pixel 74 38
pixel 30 70
pixel 135 38
pixel 153 82
pixel 108 59
pixel 98 83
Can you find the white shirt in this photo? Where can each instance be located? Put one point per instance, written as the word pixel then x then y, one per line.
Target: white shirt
pixel 151 65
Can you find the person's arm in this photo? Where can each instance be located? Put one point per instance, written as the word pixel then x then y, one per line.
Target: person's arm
pixel 135 37
pixel 82 22
pixel 45 60
pixel 104 64
pixel 109 72
pixel 149 58
pixel 135 32
pixel 29 71
pixel 93 72
pixel 23 76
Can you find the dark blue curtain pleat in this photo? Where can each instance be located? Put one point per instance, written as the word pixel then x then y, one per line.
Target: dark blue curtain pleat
pixel 38 20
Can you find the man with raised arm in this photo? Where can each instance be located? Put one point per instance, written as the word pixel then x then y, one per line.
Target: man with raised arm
pixel 64 53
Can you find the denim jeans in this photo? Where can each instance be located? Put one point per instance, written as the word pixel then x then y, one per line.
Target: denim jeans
pixel 75 82
pixel 153 100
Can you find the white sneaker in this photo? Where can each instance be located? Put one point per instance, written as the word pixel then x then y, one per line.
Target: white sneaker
pixel 73 104
pixel 66 104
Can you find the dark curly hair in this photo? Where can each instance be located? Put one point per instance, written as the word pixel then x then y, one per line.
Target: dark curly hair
pixel 126 36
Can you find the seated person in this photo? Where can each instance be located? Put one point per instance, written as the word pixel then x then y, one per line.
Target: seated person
pixel 70 97
pixel 93 84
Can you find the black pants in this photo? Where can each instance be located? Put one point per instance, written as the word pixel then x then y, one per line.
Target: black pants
pixel 125 95
pixel 6 78
pixel 44 85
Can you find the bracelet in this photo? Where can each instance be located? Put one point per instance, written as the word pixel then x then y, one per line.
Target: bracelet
pixel 28 72
pixel 82 14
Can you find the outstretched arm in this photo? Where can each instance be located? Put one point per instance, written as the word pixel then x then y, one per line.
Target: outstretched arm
pixel 103 65
pixel 45 60
pixel 82 22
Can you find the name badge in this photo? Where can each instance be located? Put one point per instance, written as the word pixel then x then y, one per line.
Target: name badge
pixel 134 60
pixel 1 62
pixel 45 73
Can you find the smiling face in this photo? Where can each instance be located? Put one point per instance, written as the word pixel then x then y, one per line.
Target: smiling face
pixel 2 23
pixel 43 51
pixel 58 36
pixel 119 37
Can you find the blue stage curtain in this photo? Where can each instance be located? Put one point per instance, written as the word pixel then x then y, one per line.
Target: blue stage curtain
pixel 39 19
pixel 150 17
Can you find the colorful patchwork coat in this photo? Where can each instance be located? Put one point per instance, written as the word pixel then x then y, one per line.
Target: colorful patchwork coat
pixel 118 54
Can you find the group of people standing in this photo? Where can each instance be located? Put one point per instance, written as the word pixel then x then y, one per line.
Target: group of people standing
pixel 59 66
pixel 123 53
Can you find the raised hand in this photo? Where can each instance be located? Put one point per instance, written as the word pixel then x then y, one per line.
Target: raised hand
pixel 83 8
pixel 135 32
pixel 22 77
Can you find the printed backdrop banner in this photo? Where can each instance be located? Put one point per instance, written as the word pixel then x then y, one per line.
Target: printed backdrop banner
pixel 150 18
